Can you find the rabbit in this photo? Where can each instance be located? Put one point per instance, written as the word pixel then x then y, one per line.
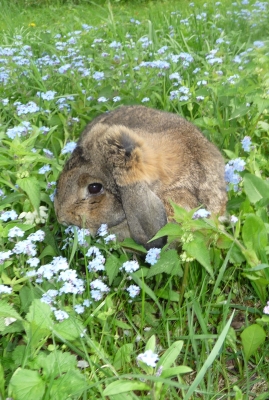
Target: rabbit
pixel 127 166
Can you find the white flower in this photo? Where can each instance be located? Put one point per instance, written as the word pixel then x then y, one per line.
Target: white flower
pixel 60 315
pixel 153 255
pixel 79 309
pixel 15 232
pixel 4 255
pixel 202 213
pixel 8 215
pixel 148 358
pixel 33 262
pixel 133 290
pixel 233 219
pixel 5 289
pixel 130 266
pixel 103 230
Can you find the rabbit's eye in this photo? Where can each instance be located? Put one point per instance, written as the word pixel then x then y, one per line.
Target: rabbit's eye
pixel 95 188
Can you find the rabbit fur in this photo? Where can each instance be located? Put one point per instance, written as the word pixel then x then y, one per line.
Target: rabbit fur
pixel 128 164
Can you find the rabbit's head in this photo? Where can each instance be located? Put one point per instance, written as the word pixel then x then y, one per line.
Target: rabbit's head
pixel 126 167
pixel 112 178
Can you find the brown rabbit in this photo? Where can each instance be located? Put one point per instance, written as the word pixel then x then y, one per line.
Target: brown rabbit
pixel 126 167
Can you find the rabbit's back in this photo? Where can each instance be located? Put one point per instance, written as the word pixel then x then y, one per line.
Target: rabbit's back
pixel 191 168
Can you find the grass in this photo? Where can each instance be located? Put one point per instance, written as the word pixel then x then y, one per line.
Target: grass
pixel 200 310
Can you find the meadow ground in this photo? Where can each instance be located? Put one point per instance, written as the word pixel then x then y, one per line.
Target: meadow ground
pixel 97 319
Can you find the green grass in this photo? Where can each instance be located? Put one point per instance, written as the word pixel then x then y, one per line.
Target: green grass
pixel 200 307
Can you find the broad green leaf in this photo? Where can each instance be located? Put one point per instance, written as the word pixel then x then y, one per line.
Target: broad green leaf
pixel 168 294
pixel 254 233
pixel 70 385
pixel 6 311
pixel 132 245
pixel 151 343
pixel 170 355
pixel 27 295
pixel 125 396
pixel 39 324
pixel 252 338
pixel 112 267
pixel 19 354
pixel 169 372
pixel 122 386
pixel 32 188
pixel 69 329
pixel 123 356
pixel 40 314
pixel 26 385
pixel 168 262
pixel 239 112
pixel 168 230
pixel 255 188
pixel 121 324
pixel 198 250
pixel 58 362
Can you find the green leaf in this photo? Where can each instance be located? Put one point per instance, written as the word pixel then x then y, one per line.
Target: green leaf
pixel 26 385
pixel 57 362
pixel 6 310
pixel 239 112
pixel 32 188
pixel 132 245
pixel 39 324
pixel 254 233
pixel 169 372
pixel 27 295
pixel 170 355
pixel 168 230
pixel 198 250
pixel 112 267
pixel 70 385
pixel 151 343
pixel 168 294
pixel 40 314
pixel 122 386
pixel 123 356
pixel 69 329
pixel 255 188
pixel 252 338
pixel 168 262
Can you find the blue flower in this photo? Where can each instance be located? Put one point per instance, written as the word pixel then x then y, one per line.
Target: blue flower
pixel 69 148
pixel 98 76
pixel 231 175
pixel 246 143
pixel 44 169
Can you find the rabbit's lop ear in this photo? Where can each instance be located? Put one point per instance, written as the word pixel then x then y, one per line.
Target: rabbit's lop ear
pixel 135 173
pixel 145 213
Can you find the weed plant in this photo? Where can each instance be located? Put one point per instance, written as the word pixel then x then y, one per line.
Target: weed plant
pixel 85 318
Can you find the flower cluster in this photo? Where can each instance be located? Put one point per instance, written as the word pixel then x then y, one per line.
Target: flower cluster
pixel 231 173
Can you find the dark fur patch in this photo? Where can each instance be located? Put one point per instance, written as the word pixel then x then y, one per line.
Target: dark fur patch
pixel 76 159
pixel 127 143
